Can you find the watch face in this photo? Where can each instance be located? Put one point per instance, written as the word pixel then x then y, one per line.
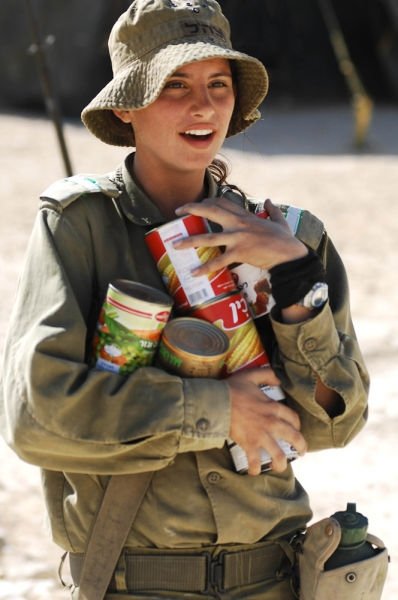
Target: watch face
pixel 318 295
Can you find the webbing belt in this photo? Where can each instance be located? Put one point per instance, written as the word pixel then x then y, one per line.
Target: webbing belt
pixel 197 572
pixel 119 507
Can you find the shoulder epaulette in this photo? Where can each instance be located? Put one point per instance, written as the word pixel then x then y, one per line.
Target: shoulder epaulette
pixel 306 226
pixel 67 190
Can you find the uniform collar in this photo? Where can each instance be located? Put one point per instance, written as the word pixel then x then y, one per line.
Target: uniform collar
pixel 136 205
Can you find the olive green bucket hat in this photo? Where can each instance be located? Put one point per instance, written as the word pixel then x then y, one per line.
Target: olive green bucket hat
pixel 148 43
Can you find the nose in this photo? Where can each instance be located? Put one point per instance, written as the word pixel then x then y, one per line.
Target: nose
pixel 202 104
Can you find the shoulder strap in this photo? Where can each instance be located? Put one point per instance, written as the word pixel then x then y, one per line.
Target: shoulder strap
pixel 119 507
pixel 305 225
pixel 65 191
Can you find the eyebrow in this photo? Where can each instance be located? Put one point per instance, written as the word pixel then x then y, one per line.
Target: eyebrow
pixel 213 75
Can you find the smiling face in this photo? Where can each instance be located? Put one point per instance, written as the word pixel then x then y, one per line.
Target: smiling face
pixel 186 126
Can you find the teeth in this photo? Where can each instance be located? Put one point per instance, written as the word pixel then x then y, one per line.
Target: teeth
pixel 198 132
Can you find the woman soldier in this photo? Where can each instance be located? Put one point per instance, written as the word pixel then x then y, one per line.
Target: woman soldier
pixel 201 529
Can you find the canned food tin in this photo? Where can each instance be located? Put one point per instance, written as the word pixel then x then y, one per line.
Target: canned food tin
pixel 129 327
pixel 238 455
pixel 175 266
pixel 254 282
pixel 292 214
pixel 192 348
pixel 246 351
pixel 240 459
pixel 231 314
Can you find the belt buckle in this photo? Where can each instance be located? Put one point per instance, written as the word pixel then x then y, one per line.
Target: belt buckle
pixel 214 572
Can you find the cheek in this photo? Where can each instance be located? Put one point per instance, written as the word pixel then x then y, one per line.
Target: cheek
pixel 153 132
pixel 228 108
pixel 232 106
pixel 229 101
pixel 149 121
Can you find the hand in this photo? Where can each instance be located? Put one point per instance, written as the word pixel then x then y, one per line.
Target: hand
pixel 247 238
pixel 258 422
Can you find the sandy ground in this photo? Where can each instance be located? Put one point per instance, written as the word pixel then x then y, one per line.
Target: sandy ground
pixel 303 157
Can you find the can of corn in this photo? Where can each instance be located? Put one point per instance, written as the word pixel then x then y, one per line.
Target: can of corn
pixel 175 266
pixel 232 315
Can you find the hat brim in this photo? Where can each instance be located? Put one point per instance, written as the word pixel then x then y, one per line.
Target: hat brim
pixel 141 82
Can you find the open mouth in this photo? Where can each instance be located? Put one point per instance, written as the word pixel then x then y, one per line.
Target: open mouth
pixel 198 134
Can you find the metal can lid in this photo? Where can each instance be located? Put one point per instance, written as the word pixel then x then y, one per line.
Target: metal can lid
pixel 196 336
pixel 143 292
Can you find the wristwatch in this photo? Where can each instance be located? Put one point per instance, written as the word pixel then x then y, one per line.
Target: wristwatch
pixel 316 297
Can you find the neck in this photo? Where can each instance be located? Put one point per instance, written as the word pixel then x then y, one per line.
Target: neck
pixel 169 189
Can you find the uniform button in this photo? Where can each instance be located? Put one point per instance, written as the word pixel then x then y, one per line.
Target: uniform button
pixel 213 477
pixel 310 344
pixel 202 424
pixel 329 530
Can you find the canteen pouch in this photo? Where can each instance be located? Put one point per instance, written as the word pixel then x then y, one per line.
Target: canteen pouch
pixel 363 580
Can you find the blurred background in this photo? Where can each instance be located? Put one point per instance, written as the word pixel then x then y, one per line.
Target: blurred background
pixel 293 39
pixel 327 142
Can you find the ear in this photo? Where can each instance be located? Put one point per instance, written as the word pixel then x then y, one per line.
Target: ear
pixel 123 115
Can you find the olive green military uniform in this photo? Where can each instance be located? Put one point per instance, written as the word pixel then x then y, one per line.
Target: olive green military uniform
pixel 81 425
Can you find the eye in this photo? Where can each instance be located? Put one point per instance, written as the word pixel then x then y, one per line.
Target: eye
pixel 174 85
pixel 221 83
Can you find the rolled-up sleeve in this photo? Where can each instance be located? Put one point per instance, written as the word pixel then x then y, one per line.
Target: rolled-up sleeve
pixel 324 347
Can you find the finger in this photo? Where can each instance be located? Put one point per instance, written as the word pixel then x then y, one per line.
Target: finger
pixel 278 457
pixel 254 462
pixel 220 202
pixel 232 207
pixel 219 212
pixel 283 421
pixel 215 264
pixel 203 240
pixel 259 456
pixel 272 444
pixel 284 431
pixel 275 213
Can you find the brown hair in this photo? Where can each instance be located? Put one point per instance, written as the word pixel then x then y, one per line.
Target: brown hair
pixel 219 169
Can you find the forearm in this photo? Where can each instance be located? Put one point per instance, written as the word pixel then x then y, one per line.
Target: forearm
pixel 326 397
pixel 63 414
pixel 109 427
